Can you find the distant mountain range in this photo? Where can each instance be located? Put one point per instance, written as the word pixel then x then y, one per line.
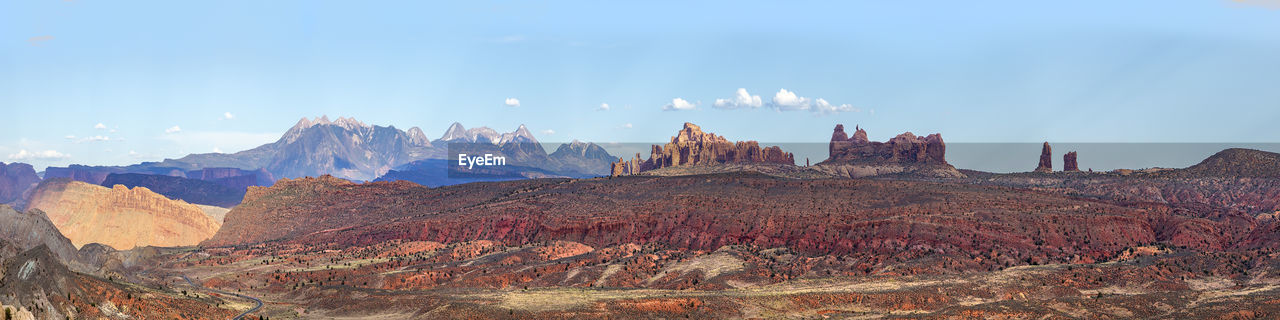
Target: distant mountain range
pixel 349 149
pixel 345 148
pixel 14 179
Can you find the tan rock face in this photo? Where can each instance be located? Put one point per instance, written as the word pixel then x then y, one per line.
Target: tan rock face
pixel 120 217
pixel 691 146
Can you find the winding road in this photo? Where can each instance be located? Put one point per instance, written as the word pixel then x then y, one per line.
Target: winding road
pixel 241 316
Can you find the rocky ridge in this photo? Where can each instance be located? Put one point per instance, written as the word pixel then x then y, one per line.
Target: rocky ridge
pixel 26 230
pixel 1232 163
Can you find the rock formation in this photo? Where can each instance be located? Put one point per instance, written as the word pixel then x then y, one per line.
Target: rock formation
pixel 15 178
pixel 1069 162
pixel 905 148
pixel 692 147
pixel 1046 159
pixel 120 217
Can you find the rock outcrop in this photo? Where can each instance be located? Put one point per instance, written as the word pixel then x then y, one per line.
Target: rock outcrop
pixel 26 230
pixel 692 147
pixel 856 156
pixel 905 148
pixel 1046 159
pixel 1069 162
pixel 120 217
pixel 16 178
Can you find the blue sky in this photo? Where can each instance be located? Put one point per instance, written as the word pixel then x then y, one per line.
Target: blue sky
pixel 162 76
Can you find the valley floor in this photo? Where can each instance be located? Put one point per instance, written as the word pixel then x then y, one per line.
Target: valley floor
pixel 568 280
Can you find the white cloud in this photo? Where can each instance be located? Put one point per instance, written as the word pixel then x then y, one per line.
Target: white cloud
pixel 71 137
pixel 627 126
pixel 548 132
pixel 217 150
pixel 512 102
pixel 786 101
pixel 679 104
pixel 790 101
pixel 228 116
pixel 741 99
pixel 603 107
pixel 135 155
pixel 823 107
pixel 100 126
pixel 24 155
pixel 94 139
pixel 173 129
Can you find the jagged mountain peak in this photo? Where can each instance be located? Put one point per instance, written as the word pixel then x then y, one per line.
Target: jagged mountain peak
pixel 417 137
pixel 456 131
pixel 303 124
pixel 521 135
pixel 459 133
pixel 350 123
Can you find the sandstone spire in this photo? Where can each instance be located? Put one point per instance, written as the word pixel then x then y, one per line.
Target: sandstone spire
pixel 1046 159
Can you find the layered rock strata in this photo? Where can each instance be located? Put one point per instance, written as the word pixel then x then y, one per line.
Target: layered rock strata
pixel 120 217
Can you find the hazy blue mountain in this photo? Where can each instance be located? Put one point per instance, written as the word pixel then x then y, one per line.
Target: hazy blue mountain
pixel 15 178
